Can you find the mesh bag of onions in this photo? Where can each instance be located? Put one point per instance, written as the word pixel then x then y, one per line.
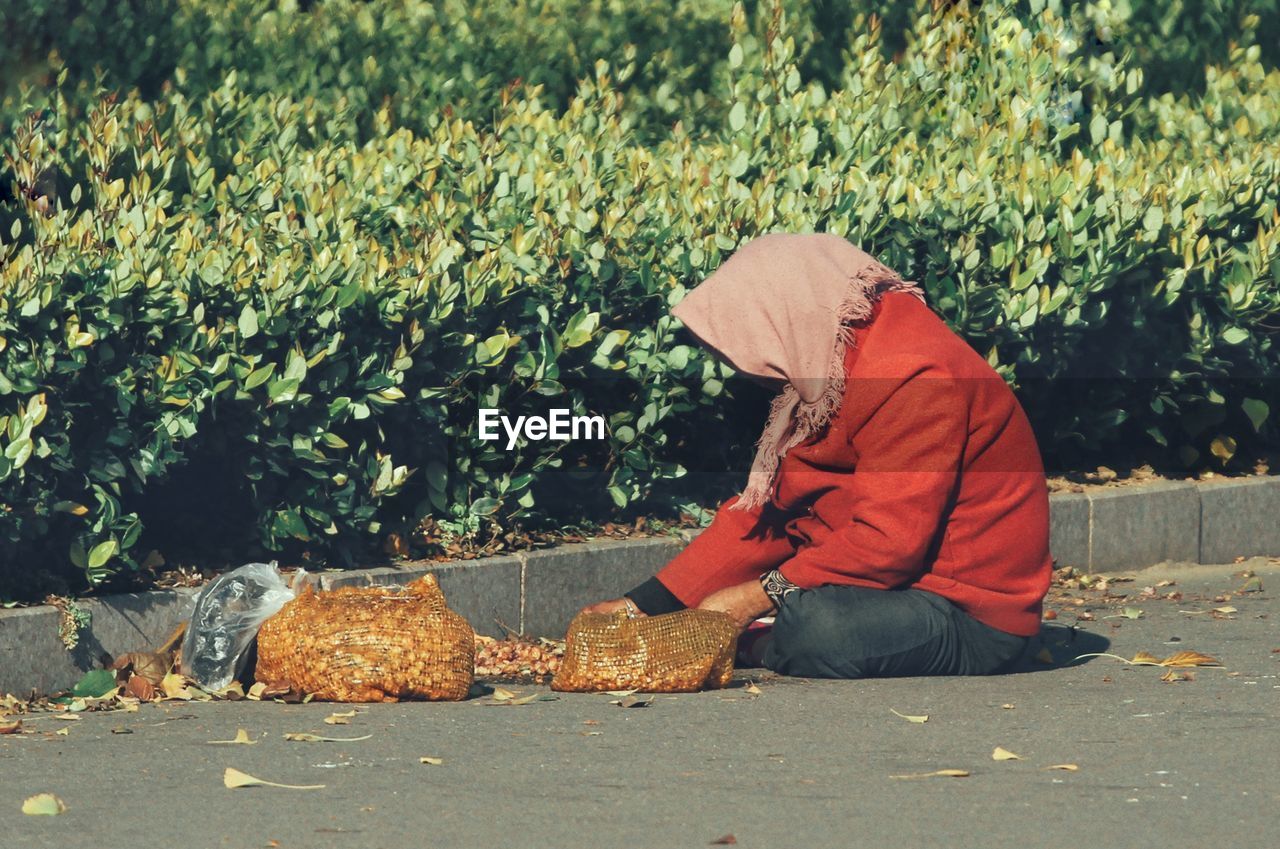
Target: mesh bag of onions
pixel 677 652
pixel 369 644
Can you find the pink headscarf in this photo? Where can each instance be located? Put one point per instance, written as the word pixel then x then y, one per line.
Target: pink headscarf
pixel 780 309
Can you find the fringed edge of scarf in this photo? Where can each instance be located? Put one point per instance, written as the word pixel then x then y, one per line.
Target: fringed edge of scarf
pixel 791 421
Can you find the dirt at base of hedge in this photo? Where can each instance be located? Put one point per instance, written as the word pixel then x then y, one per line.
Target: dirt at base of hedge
pixel 1105 476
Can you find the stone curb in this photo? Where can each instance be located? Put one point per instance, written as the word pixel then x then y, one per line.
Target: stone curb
pixel 537 592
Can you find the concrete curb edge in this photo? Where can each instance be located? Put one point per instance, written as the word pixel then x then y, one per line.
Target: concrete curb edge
pixel 536 592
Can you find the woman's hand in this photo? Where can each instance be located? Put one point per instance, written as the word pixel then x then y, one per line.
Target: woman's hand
pixel 613 605
pixel 743 602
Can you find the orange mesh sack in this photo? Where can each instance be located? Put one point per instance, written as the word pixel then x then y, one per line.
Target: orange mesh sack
pixel 677 652
pixel 370 644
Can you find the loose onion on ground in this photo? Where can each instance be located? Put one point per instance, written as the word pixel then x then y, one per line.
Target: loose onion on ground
pixel 517 659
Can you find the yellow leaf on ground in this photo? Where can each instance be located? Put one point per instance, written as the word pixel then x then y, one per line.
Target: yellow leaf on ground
pixel 937 773
pixel 1173 676
pixel 502 694
pixel 233 691
pixel 174 687
pixel 1145 657
pixel 234 778
pixel 63 732
pixel 1189 658
pixel 432 761
pixel 339 718
pixel 1002 754
pixel 300 737
pixel 1064 767
pixel 919 718
pixel 43 805
pixel 69 717
pixel 752 690
pixel 241 739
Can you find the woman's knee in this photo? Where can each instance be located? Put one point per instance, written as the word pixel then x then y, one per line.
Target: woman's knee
pixel 856 632
pixel 810 639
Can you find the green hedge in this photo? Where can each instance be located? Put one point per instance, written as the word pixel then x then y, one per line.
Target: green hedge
pixel 273 295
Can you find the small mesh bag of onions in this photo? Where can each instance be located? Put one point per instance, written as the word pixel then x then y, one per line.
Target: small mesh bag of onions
pixel 677 652
pixel 369 644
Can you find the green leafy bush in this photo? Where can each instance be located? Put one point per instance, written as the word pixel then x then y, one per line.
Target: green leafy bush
pixel 272 288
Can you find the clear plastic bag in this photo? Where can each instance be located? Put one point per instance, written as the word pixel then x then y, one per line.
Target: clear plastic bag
pixel 229 611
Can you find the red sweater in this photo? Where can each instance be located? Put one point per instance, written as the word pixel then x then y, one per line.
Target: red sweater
pixel 927 477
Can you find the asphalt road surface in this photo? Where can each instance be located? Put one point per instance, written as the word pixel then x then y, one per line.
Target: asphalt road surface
pixel 1185 763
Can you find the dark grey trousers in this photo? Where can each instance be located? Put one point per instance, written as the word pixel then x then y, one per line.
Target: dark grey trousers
pixel 857 632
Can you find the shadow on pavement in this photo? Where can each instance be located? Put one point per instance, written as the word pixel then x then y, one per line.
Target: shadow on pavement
pixel 1064 644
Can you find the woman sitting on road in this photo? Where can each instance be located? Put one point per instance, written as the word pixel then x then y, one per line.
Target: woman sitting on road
pixel 896 518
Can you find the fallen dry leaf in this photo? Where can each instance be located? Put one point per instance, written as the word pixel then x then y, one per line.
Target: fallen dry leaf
pixel 232 692
pixel 68 717
pixel 339 718
pixel 120 729
pixel 174 687
pixel 920 718
pixel 1002 754
pixel 302 737
pixel 502 694
pixel 1189 658
pixel 1065 767
pixel 727 840
pixel 1173 676
pixel 1177 659
pixel 1253 585
pixel 140 687
pixel 1007 706
pixel 633 701
pixel 751 690
pixel 619 693
pixel 430 760
pixel 11 727
pixel 151 666
pixel 1228 609
pixel 234 778
pixel 241 739
pixel 63 732
pixel 263 690
pixel 43 805
pixel 937 773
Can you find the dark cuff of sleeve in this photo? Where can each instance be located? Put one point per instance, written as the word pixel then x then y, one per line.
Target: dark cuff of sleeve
pixel 653 598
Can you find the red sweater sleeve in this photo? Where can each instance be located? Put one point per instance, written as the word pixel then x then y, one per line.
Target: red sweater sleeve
pixel 738 546
pixel 910 450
